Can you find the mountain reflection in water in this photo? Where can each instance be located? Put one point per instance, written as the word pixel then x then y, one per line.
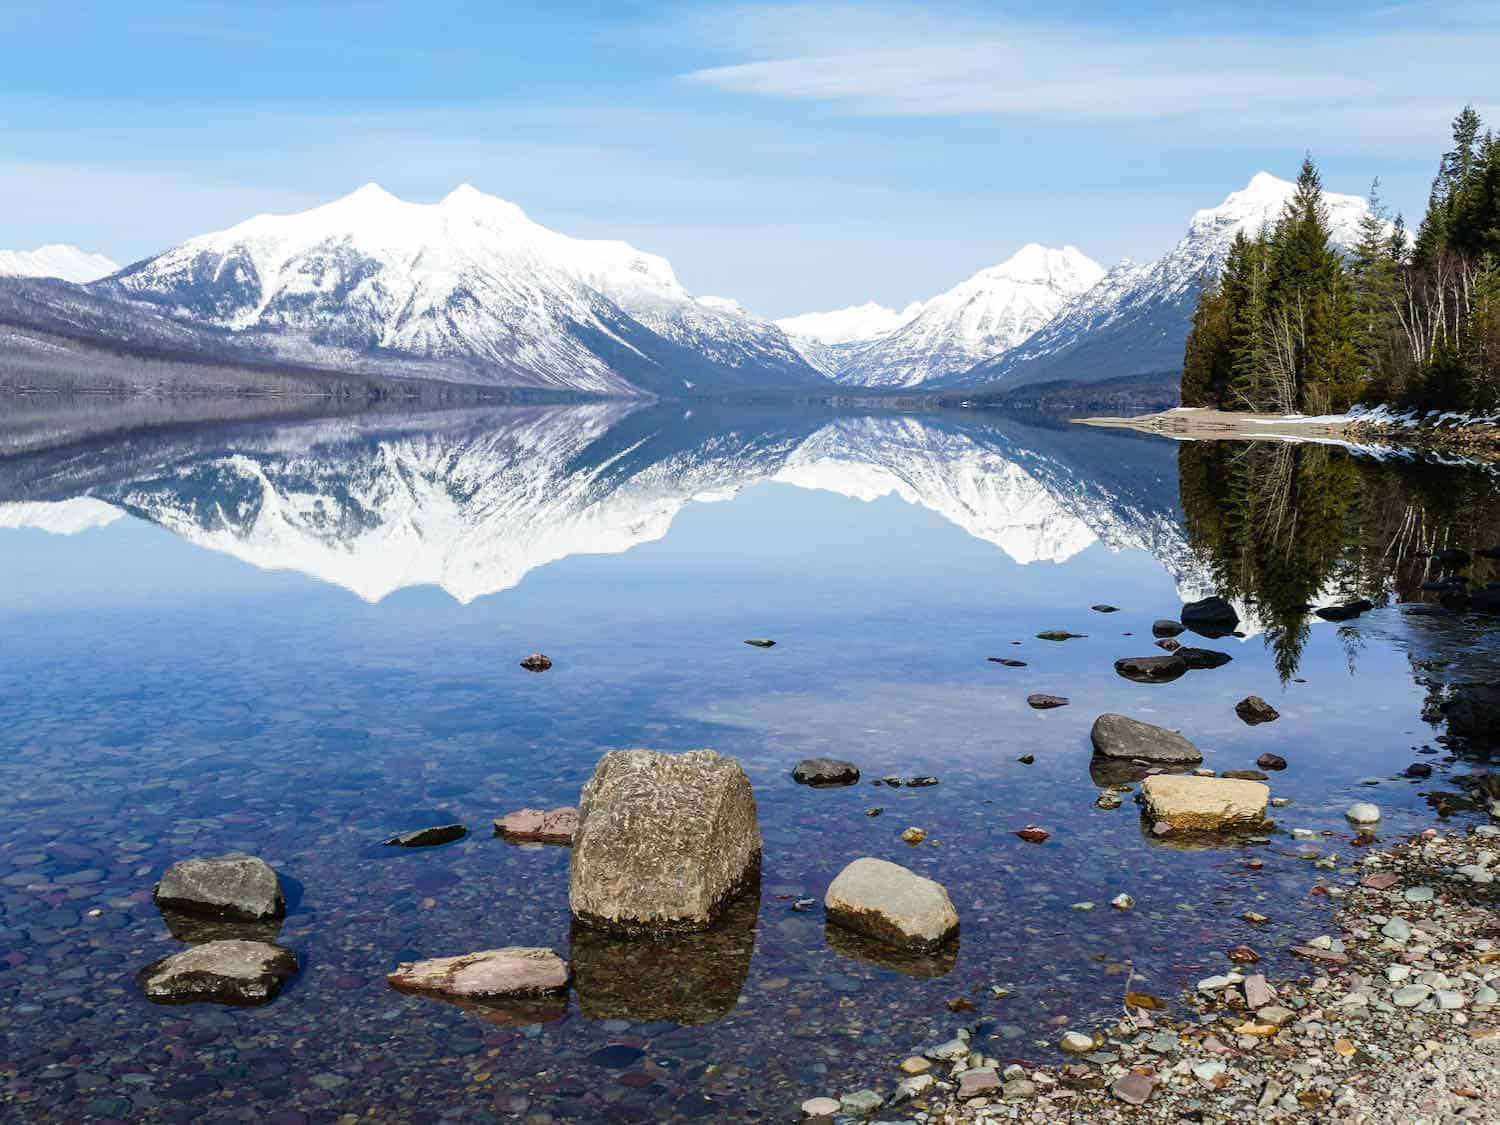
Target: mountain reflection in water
pixel 163 700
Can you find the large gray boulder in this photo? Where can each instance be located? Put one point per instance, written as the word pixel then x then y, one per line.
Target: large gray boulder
pixel 220 972
pixel 1119 736
pixel 240 888
pixel 664 841
pixel 891 904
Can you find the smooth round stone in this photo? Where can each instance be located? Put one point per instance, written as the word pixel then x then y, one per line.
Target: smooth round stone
pixel 1362 812
pixel 820 1107
pixel 1418 894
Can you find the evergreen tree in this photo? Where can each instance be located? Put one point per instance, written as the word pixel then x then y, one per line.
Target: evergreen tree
pixel 1205 360
pixel 1374 275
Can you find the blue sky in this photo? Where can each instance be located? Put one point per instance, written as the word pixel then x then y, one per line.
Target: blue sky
pixel 794 156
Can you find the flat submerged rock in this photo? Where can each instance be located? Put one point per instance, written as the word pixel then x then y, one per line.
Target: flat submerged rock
pixel 515 971
pixel 243 973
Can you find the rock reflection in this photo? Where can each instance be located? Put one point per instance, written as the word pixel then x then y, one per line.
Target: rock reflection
pixel 195 930
pixel 1107 772
pixel 686 978
pixel 509 1012
pixel 926 966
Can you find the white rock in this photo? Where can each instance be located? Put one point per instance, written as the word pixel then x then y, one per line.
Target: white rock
pixel 1362 812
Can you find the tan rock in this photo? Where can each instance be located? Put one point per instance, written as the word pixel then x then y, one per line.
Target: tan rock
pixel 513 971
pixel 224 972
pixel 551 826
pixel 664 841
pixel 1190 803
pixel 891 904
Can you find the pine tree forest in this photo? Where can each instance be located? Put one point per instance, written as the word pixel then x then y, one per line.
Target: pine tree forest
pixel 1294 323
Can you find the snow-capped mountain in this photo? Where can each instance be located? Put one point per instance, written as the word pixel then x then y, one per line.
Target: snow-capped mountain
pixel 470 286
pixel 473 501
pixel 989 313
pixel 1135 320
pixel 67 263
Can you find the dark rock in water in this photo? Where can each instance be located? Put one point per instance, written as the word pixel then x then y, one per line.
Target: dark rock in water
pixel 1027 759
pixel 1255 710
pixel 920 782
pixel 1453 557
pixel 1269 761
pixel 761 642
pixel 1119 736
pixel 1202 658
pixel 1169 644
pixel 1486 600
pixel 244 973
pixel 1243 775
pixel 824 772
pixel 1059 635
pixel 1045 702
pixel 536 662
pixel 1346 612
pixel 428 837
pixel 1210 617
pixel 664 841
pixel 239 888
pixel 1007 661
pixel 1152 669
pixel 1109 773
pixel 540 826
pixel 893 781
pixel 1456 601
pixel 685 978
pixel 1417 769
pixel 1164 628
pixel 1488 552
pixel 1105 608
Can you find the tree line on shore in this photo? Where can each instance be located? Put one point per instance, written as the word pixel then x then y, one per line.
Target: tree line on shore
pixel 1294 323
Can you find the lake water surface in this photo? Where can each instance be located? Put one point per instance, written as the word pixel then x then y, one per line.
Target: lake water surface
pixel 296 640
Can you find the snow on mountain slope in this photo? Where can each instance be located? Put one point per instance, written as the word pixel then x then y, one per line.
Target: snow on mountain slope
pixel 470 280
pixel 67 263
pixel 992 311
pixel 1135 320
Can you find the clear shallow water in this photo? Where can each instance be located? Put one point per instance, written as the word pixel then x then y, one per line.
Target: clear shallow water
pixel 299 640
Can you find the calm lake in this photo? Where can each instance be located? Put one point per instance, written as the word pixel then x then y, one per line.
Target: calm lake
pixel 299 639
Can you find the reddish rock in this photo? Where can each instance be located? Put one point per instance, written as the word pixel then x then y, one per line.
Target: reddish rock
pixel 536 662
pixel 1033 834
pixel 972 1083
pixel 514 971
pixel 1133 1088
pixel 554 826
pixel 1381 881
pixel 1043 702
pixel 1257 992
pixel 1244 955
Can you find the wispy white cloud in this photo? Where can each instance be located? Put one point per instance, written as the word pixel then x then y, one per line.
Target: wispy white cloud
pixel 1350 85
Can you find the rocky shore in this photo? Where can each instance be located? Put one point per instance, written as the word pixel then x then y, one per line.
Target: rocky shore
pixel 1397 1019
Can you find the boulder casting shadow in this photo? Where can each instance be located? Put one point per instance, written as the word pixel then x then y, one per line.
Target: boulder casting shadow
pixel 924 966
pixel 692 977
pixel 195 930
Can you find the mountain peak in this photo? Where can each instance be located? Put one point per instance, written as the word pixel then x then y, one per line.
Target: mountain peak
pixel 68 263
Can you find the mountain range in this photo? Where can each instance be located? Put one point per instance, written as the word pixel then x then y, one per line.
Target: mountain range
pixel 470 289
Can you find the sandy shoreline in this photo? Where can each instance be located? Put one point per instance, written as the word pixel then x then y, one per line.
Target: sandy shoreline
pixel 1203 424
pixel 1476 440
